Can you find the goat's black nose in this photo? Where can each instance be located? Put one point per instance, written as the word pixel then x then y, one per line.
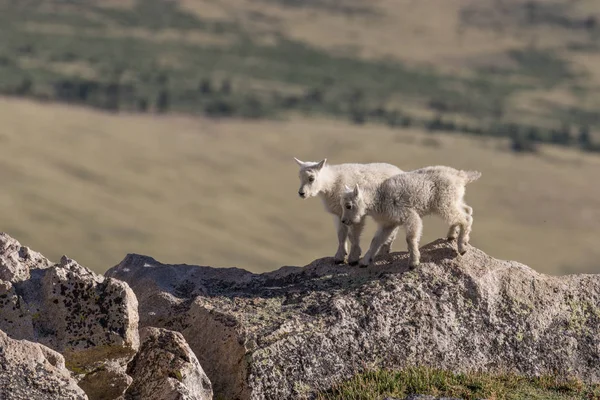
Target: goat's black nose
pixel 301 194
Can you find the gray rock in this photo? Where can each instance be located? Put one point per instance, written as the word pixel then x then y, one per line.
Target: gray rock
pixel 165 368
pixel 30 371
pixel 17 260
pixel 108 381
pixel 288 333
pixel 91 320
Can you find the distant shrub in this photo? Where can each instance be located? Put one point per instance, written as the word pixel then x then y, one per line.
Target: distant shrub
pixel 142 105
pixel 24 88
pixel 520 144
pixel 162 78
pixel 561 136
pixel 314 96
pixel 358 116
pixel 205 86
pixel 435 124
pixel 112 97
pixel 590 23
pixel 290 101
pixel 162 101
pixel 252 107
pixel 219 108
pixel 584 138
pixel 378 112
pixel 438 105
pixel 438 124
pixel 393 118
pixel 534 135
pixel 406 121
pixel 226 87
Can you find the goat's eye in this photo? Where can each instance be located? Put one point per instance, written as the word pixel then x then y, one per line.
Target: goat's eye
pixel 311 179
pixel 348 206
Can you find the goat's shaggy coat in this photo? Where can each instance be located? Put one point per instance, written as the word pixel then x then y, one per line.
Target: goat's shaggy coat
pixel 329 182
pixel 404 198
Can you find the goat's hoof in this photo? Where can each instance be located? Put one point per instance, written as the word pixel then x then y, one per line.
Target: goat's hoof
pixel 414 264
pixel 462 252
pixel 451 238
pixel 353 263
pixel 338 261
pixel 362 266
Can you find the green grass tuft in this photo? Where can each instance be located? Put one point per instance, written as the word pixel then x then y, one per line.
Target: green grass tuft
pixel 376 385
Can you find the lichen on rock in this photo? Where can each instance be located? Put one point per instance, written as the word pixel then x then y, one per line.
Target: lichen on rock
pixel 32 371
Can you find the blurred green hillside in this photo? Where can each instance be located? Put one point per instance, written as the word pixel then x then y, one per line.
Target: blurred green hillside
pixel 529 70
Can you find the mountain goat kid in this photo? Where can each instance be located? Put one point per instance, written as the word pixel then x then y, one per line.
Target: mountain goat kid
pixel 404 198
pixel 329 182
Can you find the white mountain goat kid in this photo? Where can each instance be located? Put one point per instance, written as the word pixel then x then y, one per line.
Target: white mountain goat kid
pixel 404 199
pixel 329 182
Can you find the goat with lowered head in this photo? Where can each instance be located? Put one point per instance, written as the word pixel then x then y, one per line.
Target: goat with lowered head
pixel 328 182
pixel 404 199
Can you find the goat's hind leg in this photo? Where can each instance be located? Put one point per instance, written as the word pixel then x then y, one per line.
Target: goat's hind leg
pixel 454 230
pixel 414 229
pixel 461 218
pixel 386 248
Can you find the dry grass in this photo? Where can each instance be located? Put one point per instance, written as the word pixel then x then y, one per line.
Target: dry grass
pixel 97 186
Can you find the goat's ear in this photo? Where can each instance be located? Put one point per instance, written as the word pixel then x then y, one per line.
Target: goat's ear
pixel 356 190
pixel 321 164
pixel 300 163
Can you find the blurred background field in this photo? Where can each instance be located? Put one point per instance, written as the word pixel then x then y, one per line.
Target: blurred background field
pixel 168 127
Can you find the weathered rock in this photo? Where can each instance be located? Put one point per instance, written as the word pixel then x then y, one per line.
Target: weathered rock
pixel 30 371
pixel 90 319
pixel 165 368
pixel 108 382
pixel 17 260
pixel 287 333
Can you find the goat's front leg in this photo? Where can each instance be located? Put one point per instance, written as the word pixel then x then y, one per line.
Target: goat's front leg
pixel 354 236
pixel 342 234
pixel 382 236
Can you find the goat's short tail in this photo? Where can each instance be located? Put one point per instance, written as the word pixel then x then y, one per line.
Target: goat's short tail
pixel 470 176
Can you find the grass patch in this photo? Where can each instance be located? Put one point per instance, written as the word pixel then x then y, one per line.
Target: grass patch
pixel 420 380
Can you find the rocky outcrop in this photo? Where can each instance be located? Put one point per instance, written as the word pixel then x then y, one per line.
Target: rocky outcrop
pixel 287 333
pixel 108 381
pixel 30 371
pixel 17 260
pixel 165 368
pixel 91 320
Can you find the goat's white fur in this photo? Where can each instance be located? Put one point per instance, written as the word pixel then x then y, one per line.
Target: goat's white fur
pixel 329 182
pixel 404 199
